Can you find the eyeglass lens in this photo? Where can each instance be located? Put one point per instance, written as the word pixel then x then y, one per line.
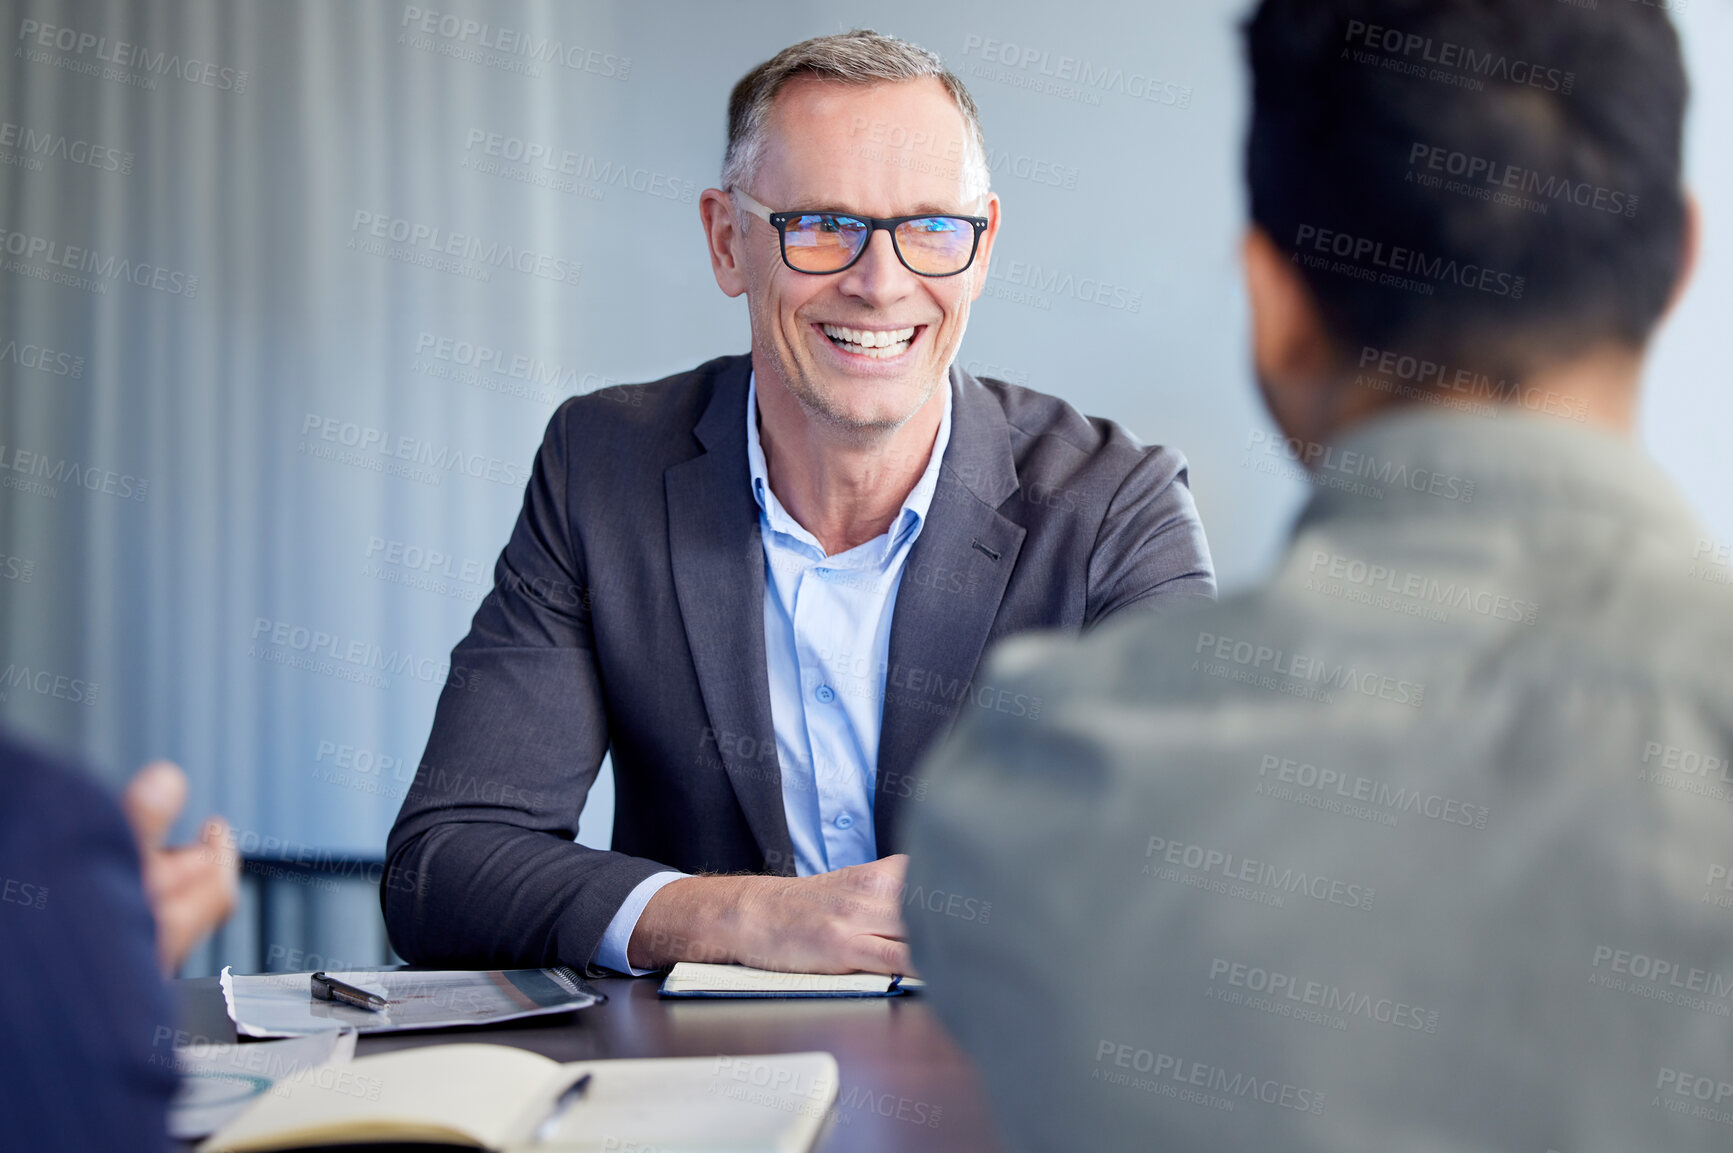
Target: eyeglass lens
pixel 827 242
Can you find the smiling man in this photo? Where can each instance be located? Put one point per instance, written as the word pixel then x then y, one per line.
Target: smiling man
pixel 765 585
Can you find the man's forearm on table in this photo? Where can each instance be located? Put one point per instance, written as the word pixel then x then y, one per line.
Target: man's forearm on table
pixel 690 919
pixel 615 948
pixel 492 895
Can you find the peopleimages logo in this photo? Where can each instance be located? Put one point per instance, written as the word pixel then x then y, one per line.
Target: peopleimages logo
pixel 509 42
pixel 1046 282
pixel 79 259
pixel 434 459
pixel 1277 668
pixel 1251 981
pixel 58 470
pixel 489 367
pixel 1434 162
pixel 60 146
pixel 1070 76
pixel 1312 242
pixel 291 637
pixel 1196 1082
pixel 1705 1094
pixel 1437 378
pixel 1307 784
pixel 1034 169
pixel 1376 577
pixel 554 160
pixel 1330 461
pixel 36 35
pixel 1662 979
pixel 42 359
pixel 46 683
pixel 432 240
pixel 1462 62
pixel 1221 871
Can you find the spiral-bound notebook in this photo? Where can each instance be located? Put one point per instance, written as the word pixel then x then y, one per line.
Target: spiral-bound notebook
pixel 283 1005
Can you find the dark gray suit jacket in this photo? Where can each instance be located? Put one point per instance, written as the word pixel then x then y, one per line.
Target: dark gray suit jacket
pixel 627 617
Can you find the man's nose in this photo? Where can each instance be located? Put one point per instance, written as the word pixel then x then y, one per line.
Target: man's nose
pixel 878 277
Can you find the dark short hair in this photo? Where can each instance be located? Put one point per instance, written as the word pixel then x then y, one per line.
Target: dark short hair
pixel 1520 157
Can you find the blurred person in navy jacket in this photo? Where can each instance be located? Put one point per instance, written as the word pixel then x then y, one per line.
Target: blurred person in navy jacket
pixel 93 915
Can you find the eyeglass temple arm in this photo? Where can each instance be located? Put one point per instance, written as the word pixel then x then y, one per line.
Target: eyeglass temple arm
pixel 752 205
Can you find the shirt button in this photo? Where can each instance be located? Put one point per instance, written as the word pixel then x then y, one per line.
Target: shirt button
pixel 844 821
pixel 825 694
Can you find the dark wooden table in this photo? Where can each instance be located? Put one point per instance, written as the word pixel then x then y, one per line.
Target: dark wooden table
pixel 904 1083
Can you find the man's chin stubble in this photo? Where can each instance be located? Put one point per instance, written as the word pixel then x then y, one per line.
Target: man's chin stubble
pixel 820 409
pixel 861 432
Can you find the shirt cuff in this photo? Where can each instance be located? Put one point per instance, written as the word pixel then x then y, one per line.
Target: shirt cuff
pixel 611 953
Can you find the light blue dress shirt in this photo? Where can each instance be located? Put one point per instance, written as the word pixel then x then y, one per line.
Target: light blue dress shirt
pixel 827 636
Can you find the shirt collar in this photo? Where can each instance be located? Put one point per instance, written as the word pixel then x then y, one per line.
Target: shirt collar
pixel 1417 460
pixel 909 520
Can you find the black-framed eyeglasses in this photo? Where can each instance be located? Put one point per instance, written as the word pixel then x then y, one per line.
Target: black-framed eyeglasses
pixel 820 243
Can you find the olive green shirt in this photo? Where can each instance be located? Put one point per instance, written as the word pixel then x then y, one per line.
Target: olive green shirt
pixel 1426 845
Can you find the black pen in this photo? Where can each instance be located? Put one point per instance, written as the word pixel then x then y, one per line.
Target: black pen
pixel 561 1104
pixel 331 989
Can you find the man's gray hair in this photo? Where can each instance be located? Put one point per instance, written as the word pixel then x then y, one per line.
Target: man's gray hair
pixel 860 57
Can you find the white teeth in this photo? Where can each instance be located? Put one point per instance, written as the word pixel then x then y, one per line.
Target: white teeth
pixel 877 344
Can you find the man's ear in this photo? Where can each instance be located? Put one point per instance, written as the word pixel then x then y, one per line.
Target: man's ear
pixel 1291 349
pixel 1690 246
pixel 1289 340
pixel 723 237
pixel 985 254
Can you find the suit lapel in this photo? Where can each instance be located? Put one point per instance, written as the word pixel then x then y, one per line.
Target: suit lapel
pixel 952 585
pixel 718 563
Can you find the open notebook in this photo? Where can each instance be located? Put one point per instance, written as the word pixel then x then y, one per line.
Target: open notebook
pixel 692 979
pixel 510 1100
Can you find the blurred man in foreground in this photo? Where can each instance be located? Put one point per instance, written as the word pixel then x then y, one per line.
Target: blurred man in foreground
pixel 81 992
pixel 1425 845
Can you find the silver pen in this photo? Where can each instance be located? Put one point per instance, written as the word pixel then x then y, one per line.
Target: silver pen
pixel 327 988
